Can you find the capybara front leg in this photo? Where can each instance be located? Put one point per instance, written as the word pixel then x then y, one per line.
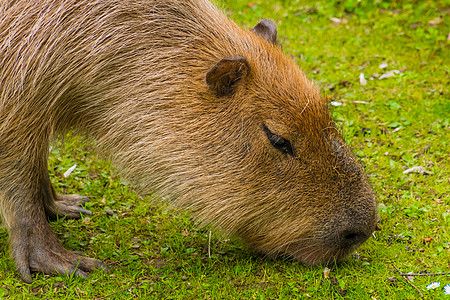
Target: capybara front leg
pixel 34 246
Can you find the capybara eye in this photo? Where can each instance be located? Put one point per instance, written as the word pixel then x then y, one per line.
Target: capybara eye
pixel 279 142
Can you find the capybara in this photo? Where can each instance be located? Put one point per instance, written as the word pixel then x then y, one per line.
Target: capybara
pixel 185 103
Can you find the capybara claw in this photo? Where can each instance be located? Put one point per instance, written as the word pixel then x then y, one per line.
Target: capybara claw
pixel 25 275
pixel 84 211
pixel 77 272
pixel 104 267
pixel 68 206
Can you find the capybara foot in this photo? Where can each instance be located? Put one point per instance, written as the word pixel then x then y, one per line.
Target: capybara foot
pixel 38 250
pixel 69 206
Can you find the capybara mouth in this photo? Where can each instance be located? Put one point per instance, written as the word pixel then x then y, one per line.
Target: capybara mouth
pixel 328 249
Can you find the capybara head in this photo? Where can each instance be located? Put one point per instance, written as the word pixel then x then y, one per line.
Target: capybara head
pixel 298 189
pixel 263 159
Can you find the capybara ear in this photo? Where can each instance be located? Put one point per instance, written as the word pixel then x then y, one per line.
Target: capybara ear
pixel 226 73
pixel 267 30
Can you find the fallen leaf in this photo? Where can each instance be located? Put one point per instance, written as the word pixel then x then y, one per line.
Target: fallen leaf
pixel 383 65
pixel 338 21
pixel 87 220
pixel 415 25
pixel 389 74
pixel 417 169
pixel 184 233
pixel 250 4
pixel 435 22
pixel 362 80
pixel 427 240
pixel 326 272
pixel 364 65
pixel 69 171
pixel 345 82
pixel 359 102
pixel 328 98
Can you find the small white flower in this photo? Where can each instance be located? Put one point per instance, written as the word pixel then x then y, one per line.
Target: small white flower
pixel 433 285
pixel 447 289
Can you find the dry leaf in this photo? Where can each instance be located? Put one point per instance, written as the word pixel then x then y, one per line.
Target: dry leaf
pixel 362 80
pixel 345 82
pixel 383 65
pixel 417 169
pixel 338 21
pixel 326 272
pixel 184 233
pixel 435 22
pixel 328 98
pixel 389 74
pixel 69 171
pixel 427 240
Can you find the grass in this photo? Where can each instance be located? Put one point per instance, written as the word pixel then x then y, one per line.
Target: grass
pixel 392 124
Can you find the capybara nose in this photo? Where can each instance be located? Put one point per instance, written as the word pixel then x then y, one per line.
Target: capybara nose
pixel 351 238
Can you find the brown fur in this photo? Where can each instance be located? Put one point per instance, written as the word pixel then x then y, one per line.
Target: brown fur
pixel 132 74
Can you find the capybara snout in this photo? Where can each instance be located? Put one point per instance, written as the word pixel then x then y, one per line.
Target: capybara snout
pixel 185 103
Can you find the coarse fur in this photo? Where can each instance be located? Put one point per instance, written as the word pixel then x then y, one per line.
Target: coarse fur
pixel 185 103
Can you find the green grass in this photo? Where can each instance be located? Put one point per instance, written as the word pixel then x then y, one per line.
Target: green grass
pixel 403 121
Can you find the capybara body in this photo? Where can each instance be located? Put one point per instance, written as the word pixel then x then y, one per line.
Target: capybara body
pixel 185 103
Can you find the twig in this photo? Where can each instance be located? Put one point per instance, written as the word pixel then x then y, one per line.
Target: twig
pixel 123 290
pixel 405 277
pixel 425 274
